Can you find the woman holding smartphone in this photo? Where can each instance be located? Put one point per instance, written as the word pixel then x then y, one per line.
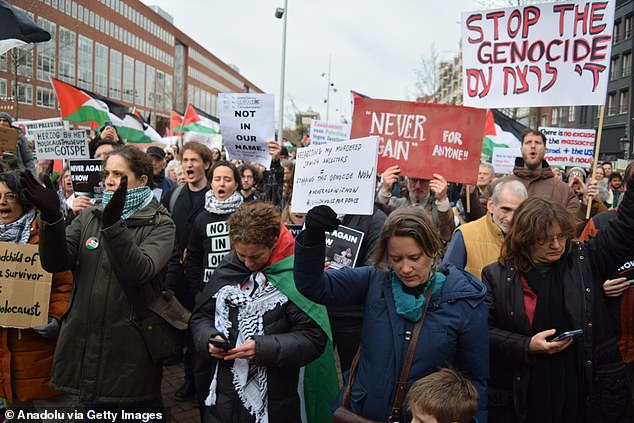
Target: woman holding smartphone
pixel 545 289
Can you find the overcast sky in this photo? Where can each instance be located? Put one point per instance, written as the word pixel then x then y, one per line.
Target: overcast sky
pixel 375 45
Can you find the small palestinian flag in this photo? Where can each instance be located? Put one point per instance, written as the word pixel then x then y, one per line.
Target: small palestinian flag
pixel 195 120
pixel 78 105
pixel 500 131
pixel 176 123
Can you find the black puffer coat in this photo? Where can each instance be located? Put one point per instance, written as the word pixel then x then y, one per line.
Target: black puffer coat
pixel 604 391
pixel 292 339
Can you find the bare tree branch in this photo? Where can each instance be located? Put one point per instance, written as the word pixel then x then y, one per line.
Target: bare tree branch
pixel 427 74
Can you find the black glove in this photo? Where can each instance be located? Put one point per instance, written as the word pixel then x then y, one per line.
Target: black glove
pixel 50 330
pixel 44 198
pixel 113 210
pixel 319 220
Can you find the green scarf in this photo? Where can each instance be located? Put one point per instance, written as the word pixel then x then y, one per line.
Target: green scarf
pixel 321 384
pixel 408 305
pixel 135 199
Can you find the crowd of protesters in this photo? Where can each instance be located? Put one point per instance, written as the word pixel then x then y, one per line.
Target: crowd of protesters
pixel 523 306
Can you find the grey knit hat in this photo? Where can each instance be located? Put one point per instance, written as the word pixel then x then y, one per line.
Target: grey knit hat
pixel 5 115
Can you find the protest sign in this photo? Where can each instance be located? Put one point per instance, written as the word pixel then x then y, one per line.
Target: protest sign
pixel 324 132
pixel 294 229
pixel 8 138
pixel 86 178
pixel 340 175
pixel 504 159
pixel 423 139
pixel 210 140
pixel 552 54
pixel 247 123
pixel 61 144
pixel 569 147
pixel 342 247
pixel 25 288
pixel 30 127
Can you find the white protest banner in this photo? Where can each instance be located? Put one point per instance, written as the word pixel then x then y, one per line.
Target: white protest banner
pixel 322 132
pixel 340 175
pixel 29 127
pixel 551 54
pixel 569 147
pixel 25 287
pixel 61 144
pixel 247 123
pixel 210 140
pixel 504 159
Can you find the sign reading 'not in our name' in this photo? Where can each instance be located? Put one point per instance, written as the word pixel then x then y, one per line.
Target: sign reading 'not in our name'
pixel 341 175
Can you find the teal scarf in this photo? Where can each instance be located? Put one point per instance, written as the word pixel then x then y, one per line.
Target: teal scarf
pixel 407 305
pixel 135 199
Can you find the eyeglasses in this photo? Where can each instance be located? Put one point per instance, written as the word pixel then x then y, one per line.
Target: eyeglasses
pixel 561 238
pixel 10 197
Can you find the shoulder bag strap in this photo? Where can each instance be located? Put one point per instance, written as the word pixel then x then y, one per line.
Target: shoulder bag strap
pixel 353 373
pixel 402 383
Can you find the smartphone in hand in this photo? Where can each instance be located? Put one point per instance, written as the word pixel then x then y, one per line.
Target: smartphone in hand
pixel 567 334
pixel 220 343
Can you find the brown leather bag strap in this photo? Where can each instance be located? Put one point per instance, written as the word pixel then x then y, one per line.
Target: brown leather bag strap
pixel 353 373
pixel 401 387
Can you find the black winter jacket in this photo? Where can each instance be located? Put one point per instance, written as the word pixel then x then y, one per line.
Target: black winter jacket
pixel 604 389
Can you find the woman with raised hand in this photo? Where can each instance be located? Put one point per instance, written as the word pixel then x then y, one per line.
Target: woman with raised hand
pixel 395 292
pixel 101 355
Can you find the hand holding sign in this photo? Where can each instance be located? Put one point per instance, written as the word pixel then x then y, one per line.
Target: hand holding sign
pixel 274 150
pixel 438 185
pixel 390 177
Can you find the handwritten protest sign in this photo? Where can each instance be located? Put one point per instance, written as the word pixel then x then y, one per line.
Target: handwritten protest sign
pixel 504 159
pixel 8 138
pixel 569 147
pixel 340 175
pixel 61 144
pixel 247 123
pixel 86 178
pixel 423 139
pixel 25 288
pixel 552 54
pixel 342 247
pixel 324 132
pixel 30 127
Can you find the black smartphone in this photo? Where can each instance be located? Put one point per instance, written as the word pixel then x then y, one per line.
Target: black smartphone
pixel 567 334
pixel 220 343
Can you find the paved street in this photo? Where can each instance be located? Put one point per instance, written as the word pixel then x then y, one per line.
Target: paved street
pixel 179 412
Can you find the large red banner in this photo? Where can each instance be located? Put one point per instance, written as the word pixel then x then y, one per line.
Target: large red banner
pixel 423 139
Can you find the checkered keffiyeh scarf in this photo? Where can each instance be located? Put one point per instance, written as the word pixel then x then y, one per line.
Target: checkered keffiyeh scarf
pixel 249 380
pixel 18 231
pixel 231 204
pixel 135 200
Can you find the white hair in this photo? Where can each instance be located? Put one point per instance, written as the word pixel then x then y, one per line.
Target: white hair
pixel 514 187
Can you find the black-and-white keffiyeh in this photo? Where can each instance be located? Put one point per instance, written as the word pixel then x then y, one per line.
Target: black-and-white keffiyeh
pixel 18 231
pixel 231 204
pixel 249 380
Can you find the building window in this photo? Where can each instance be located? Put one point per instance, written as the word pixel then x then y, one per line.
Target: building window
pixel 627 28
pixel 616 32
pixel 101 69
pixel 159 102
pixel 3 87
pixel 571 113
pixel 115 74
pixel 624 101
pixel 168 92
pixel 128 79
pixel 24 58
pixel 45 97
pixel 554 116
pixel 139 83
pixel 149 86
pixel 67 57
pixel 3 62
pixel 25 93
pixel 614 68
pixel 84 65
pixel 626 64
pixel 46 52
pixel 611 104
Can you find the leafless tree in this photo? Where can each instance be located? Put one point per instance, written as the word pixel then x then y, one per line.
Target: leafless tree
pixel 427 73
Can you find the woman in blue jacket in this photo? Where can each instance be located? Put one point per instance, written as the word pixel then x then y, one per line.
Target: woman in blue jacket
pixel 454 333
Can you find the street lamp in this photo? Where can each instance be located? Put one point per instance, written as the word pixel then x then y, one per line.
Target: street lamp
pixel 625 144
pixel 282 13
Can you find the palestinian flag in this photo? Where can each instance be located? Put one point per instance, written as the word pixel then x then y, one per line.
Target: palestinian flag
pixel 134 130
pixel 18 29
pixel 77 105
pixel 195 120
pixel 176 123
pixel 500 131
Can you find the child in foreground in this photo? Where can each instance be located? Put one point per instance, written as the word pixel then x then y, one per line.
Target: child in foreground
pixel 444 396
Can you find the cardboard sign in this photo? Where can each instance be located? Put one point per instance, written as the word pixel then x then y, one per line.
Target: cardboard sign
pixel 61 144
pixel 423 139
pixel 552 54
pixel 342 247
pixel 25 288
pixel 340 175
pixel 86 178
pixel 504 159
pixel 247 123
pixel 210 140
pixel 322 132
pixel 30 127
pixel 569 147
pixel 8 138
